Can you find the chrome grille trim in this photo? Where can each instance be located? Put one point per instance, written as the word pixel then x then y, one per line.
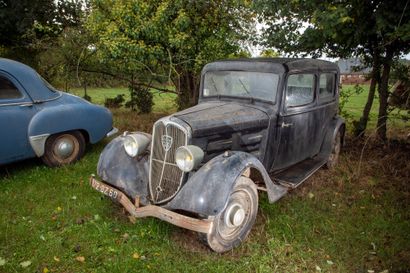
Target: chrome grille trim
pixel 165 178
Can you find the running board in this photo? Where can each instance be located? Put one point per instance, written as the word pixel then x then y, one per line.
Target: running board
pixel 298 173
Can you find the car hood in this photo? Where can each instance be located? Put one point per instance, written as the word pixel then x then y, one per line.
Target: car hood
pixel 222 117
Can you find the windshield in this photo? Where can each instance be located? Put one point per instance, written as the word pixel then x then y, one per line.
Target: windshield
pixel 258 85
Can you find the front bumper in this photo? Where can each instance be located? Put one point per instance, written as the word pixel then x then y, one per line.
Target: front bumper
pixel 198 225
pixel 112 132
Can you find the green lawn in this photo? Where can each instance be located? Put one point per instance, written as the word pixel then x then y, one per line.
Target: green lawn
pixel 341 220
pixel 163 102
pixel 356 103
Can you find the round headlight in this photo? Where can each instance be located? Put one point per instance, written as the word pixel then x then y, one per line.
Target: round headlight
pixel 188 157
pixel 135 144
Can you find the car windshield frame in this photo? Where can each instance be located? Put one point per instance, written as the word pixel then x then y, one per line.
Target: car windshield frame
pixel 246 85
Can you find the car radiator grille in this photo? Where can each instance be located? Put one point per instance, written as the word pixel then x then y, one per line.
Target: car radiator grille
pixel 165 176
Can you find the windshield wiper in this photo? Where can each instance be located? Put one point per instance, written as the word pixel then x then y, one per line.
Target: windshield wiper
pixel 246 89
pixel 214 85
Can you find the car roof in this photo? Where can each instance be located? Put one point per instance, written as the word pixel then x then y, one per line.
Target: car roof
pixel 28 78
pixel 276 65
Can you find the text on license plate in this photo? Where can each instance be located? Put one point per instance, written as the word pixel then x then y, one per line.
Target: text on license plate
pixel 104 189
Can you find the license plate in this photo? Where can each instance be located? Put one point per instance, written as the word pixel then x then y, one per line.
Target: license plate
pixel 110 192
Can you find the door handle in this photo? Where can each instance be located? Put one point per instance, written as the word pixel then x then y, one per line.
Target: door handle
pixel 284 125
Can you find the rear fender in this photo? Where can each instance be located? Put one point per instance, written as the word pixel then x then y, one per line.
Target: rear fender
pixel 335 125
pixel 207 190
pixel 95 120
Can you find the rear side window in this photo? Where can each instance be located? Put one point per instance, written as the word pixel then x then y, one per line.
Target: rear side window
pixel 326 86
pixel 300 89
pixel 8 90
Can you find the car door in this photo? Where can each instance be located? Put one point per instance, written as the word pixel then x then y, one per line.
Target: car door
pixel 297 123
pixel 16 111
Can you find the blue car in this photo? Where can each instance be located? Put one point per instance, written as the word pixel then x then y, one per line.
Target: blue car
pixel 37 120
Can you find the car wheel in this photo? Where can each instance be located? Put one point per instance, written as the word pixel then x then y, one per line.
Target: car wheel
pixel 233 224
pixel 334 154
pixel 64 148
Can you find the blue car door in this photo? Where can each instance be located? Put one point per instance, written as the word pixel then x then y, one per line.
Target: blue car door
pixel 16 111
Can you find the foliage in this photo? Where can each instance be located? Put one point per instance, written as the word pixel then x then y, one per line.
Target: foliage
pixel 378 31
pixel 269 53
pixel 400 96
pixel 114 102
pixel 141 99
pixel 167 41
pixel 30 27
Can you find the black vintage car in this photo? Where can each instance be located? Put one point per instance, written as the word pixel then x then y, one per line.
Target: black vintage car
pixel 260 124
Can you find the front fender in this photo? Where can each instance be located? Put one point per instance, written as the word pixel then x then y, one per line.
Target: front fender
pixel 128 174
pixel 208 190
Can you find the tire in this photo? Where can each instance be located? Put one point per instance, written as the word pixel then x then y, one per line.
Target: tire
pixel 64 148
pixel 334 154
pixel 233 224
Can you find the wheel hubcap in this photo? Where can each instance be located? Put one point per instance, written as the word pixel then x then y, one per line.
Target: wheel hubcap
pixel 64 148
pixel 235 215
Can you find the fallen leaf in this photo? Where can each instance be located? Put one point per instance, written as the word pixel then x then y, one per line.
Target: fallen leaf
pixel 311 195
pixel 42 237
pixel 80 259
pixel 143 257
pixel 318 268
pixel 2 261
pixel 97 217
pixel 125 236
pixel 74 197
pixel 56 259
pixel 59 209
pixel 136 255
pixel 370 271
pixel 25 264
pixel 45 270
pixel 329 262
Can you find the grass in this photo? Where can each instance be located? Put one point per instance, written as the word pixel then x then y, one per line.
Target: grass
pixel 163 102
pixel 355 104
pixel 354 218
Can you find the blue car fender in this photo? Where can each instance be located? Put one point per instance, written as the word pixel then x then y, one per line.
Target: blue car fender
pixel 96 121
pixel 207 190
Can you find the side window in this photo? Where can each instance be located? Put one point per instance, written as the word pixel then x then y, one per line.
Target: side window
pixel 300 89
pixel 326 86
pixel 8 90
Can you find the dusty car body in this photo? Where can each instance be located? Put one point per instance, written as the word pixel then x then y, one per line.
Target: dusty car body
pixel 38 121
pixel 260 124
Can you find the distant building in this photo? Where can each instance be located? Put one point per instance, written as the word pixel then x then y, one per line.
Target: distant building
pixel 352 71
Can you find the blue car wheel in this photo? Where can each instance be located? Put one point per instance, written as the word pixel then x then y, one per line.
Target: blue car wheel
pixel 64 148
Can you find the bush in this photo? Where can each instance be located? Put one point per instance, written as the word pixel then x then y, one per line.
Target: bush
pixel 114 102
pixel 141 99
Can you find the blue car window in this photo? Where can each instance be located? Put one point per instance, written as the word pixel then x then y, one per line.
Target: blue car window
pixel 8 90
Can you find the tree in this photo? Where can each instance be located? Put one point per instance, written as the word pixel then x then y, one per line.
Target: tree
pixel 168 42
pixel 31 27
pixel 377 31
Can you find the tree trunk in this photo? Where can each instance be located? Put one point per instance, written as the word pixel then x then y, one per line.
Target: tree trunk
pixel 383 96
pixel 361 126
pixel 188 90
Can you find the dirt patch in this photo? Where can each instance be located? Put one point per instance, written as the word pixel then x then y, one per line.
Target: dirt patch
pixel 189 241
